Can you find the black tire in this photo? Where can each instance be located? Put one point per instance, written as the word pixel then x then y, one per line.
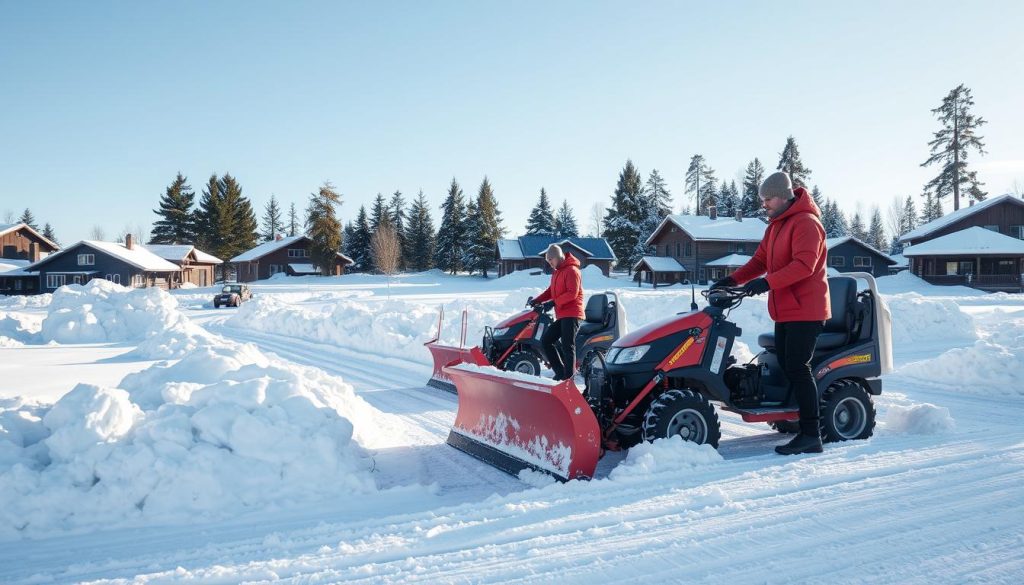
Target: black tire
pixel 789 427
pixel 216 305
pixel 684 413
pixel 524 362
pixel 847 413
pixel 588 362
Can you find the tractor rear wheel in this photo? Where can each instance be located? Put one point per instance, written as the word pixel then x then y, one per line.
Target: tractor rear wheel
pixel 847 413
pixel 524 362
pixel 685 413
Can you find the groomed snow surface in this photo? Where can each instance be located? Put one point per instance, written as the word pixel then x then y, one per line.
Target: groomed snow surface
pixel 293 440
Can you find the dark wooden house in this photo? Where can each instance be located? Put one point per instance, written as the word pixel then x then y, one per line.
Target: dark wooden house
pixel 288 255
pixel 849 254
pixel 125 264
pixel 20 242
pixel 527 252
pixel 953 250
pixel 195 266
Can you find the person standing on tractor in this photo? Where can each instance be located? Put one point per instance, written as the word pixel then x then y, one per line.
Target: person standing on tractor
pixel 791 257
pixel 566 294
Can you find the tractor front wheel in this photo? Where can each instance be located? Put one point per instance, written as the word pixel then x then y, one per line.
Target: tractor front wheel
pixel 524 362
pixel 685 413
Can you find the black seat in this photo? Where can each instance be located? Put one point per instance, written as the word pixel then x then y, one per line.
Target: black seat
pixel 842 294
pixel 596 314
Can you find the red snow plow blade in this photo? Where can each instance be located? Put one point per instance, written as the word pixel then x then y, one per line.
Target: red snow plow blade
pixel 448 355
pixel 514 422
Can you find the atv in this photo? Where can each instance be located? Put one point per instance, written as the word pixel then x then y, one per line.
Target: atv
pixel 665 379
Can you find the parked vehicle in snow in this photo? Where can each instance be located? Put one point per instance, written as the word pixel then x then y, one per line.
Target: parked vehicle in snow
pixel 232 295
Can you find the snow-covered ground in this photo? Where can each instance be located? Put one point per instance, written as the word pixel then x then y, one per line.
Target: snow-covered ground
pixel 147 437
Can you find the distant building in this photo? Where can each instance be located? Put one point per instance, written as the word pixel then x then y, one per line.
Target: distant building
pixel 848 254
pixel 288 255
pixel 126 264
pixel 20 246
pixel 195 266
pixel 704 247
pixel 527 252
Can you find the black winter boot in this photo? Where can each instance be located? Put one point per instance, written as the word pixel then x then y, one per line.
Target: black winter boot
pixel 801 444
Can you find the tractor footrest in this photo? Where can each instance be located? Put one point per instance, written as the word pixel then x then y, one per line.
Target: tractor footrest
pixel 764 414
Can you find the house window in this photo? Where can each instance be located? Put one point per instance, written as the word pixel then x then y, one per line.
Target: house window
pixel 679 248
pixel 86 259
pixel 837 261
pixel 994 228
pixel 1017 231
pixel 138 281
pixel 116 279
pixel 54 280
pixel 275 268
pixel 688 252
pixel 298 253
pixel 862 261
pixel 78 279
pixel 17 284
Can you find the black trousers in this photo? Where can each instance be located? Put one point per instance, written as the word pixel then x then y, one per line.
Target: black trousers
pixel 561 356
pixel 794 344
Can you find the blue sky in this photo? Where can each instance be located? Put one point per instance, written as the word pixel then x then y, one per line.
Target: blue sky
pixel 101 103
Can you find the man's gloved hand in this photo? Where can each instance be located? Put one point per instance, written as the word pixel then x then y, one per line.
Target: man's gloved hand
pixel 543 307
pixel 530 303
pixel 723 283
pixel 758 286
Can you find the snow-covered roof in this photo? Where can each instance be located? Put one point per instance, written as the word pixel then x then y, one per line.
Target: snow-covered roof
pixel 180 252
pixel 10 227
pixel 702 227
pixel 971 241
pixel 304 268
pixel 265 248
pixel 900 260
pixel 509 250
pixel 660 264
pixel 567 242
pixel 14 267
pixel 833 242
pixel 949 219
pixel 138 256
pixel 730 260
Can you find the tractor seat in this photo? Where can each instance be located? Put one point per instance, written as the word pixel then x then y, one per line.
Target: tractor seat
pixel 596 314
pixel 842 294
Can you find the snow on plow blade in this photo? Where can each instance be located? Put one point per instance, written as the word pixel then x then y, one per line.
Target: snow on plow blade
pixel 513 422
pixel 447 355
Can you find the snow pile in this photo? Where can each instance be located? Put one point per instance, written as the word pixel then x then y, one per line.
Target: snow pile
pixel 103 312
pixel 904 281
pixel 14 303
pixel 919 419
pixel 669 455
pixel 221 432
pixel 17 329
pixel 983 368
pixel 917 319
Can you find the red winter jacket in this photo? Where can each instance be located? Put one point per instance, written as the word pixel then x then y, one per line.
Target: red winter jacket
pixel 566 289
pixel 793 254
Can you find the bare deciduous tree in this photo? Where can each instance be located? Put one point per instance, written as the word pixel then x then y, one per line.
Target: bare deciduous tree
pixel 594 220
pixel 98 233
pixel 896 216
pixel 387 251
pixel 8 216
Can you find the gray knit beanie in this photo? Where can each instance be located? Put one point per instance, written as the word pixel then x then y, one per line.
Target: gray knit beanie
pixel 776 184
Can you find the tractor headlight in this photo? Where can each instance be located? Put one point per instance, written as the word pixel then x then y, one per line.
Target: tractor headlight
pixel 612 354
pixel 629 355
pixel 500 332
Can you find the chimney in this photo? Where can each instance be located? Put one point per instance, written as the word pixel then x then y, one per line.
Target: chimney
pixel 278 237
pixel 713 211
pixel 128 241
pixel 739 215
pixel 33 252
pixel 970 203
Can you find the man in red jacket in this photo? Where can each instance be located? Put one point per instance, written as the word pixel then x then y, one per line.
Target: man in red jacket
pixel 792 253
pixel 566 293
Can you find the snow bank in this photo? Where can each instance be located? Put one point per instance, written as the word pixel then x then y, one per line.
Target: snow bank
pixel 17 329
pixel 14 303
pixel 904 281
pixel 917 319
pixel 665 455
pixel 103 312
pixel 984 368
pixel 221 432
pixel 918 419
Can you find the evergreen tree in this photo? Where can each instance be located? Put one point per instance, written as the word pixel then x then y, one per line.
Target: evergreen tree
pixel 751 203
pixel 324 228
pixel 696 175
pixel 734 200
pixel 932 208
pixel 816 195
pixel 243 236
pixel 293 221
pixel 49 235
pixel 420 235
pixel 381 213
pixel 842 226
pixel 348 234
pixel 950 148
pixel 709 195
pixel 542 220
pixel 623 221
pixel 876 231
pixel 28 219
pixel 272 223
pixel 210 225
pixel 177 222
pixel 483 230
pixel 451 236
pixel 398 219
pixel 727 201
pixel 789 161
pixel 359 247
pixel 909 216
pixel 657 192
pixel 471 224
pixel 857 228
pixel 565 222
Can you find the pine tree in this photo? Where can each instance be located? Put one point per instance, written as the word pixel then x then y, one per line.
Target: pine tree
pixel 348 234
pixel 420 235
pixel 28 219
pixel 817 197
pixel 876 231
pixel 451 236
pixel 951 146
pixel 932 208
pixel 272 224
pixel 359 247
pixel 483 230
pixel 726 200
pixel 243 235
pixel 710 195
pixel 909 216
pixel 398 219
pixel 789 161
pixel 542 220
pixel 380 214
pixel 324 228
pixel 49 235
pixel 694 184
pixel 209 219
pixel 842 226
pixel 857 228
pixel 293 221
pixel 623 221
pixel 751 204
pixel 565 222
pixel 657 192
pixel 471 224
pixel 177 223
